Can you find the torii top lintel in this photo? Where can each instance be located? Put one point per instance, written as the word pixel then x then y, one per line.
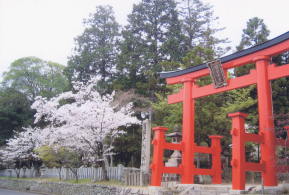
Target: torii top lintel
pixel 266 50
pixel 270 48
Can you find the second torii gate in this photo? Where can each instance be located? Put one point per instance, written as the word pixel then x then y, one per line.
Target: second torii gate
pixel 265 72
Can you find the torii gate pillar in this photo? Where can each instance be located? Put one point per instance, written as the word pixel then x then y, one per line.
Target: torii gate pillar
pixel 188 131
pixel 266 123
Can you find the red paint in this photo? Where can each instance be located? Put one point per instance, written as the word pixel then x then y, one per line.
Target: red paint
pixel 216 158
pixel 238 150
pixel 266 121
pixel 188 132
pixel 239 165
pixel 158 153
pixel 158 167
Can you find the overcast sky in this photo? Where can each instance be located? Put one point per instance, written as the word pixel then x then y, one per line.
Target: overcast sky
pixel 47 28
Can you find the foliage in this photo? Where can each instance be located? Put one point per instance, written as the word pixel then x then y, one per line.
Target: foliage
pixel 167 115
pixel 195 16
pixel 153 35
pixel 240 100
pixel 255 34
pixel 197 56
pixel 197 19
pixel 53 156
pixel 33 76
pixel 15 113
pixel 127 147
pixel 27 77
pixel 96 49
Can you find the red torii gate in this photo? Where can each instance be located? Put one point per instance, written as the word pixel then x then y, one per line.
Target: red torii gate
pixel 264 73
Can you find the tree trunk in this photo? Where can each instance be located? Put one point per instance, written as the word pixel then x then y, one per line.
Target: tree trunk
pixel 17 171
pixel 153 96
pixel 111 160
pixel 59 173
pixel 76 176
pixel 36 169
pixel 74 171
pixel 104 171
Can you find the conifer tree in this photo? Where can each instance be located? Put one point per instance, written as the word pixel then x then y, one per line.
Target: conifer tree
pixel 153 35
pixel 255 34
pixel 96 49
pixel 197 19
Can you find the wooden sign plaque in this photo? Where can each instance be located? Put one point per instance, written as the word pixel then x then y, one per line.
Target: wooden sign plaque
pixel 217 73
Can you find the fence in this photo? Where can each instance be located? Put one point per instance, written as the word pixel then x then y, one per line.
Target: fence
pixel 115 173
pixel 128 175
pixel 134 177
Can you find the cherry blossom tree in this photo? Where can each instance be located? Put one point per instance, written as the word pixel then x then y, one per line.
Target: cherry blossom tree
pixel 86 123
pixel 21 148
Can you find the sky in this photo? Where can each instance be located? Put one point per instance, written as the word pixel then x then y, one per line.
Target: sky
pixel 46 28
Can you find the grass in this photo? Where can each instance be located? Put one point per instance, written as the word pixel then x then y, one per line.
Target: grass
pixel 80 181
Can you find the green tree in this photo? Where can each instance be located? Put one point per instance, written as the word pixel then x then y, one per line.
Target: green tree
pixel 53 156
pixel 197 19
pixel 96 49
pixel 27 78
pixel 168 115
pixel 128 147
pixel 255 34
pixel 57 156
pixel 15 113
pixel 194 20
pixel 33 77
pixel 153 35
